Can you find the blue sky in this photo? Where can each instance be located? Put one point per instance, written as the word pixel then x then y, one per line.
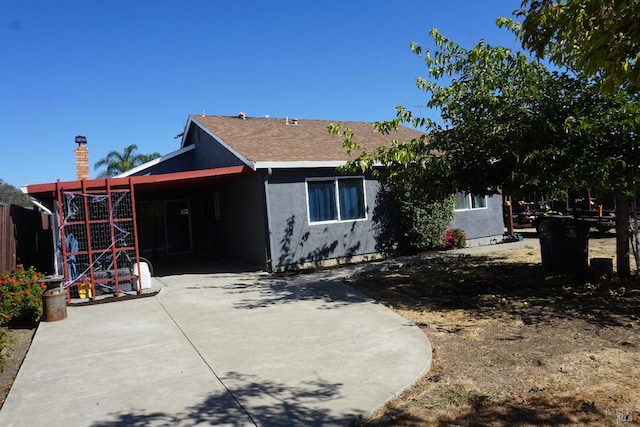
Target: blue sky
pixel 130 72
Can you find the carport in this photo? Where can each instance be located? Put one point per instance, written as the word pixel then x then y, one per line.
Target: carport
pixel 104 226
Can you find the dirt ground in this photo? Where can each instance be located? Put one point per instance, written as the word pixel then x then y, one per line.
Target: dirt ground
pixel 512 346
pixel 20 342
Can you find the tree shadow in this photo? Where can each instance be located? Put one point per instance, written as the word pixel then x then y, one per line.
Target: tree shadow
pixel 325 287
pixel 287 246
pixel 537 411
pixel 488 287
pixel 250 401
pixel 386 224
pixel 297 251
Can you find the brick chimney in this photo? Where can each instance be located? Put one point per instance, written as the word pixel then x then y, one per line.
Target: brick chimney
pixel 82 158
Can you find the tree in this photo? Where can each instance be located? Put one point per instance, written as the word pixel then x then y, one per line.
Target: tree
pixel 118 163
pixel 602 39
pixel 509 124
pixel 483 142
pixel 13 196
pixel 419 192
pixel 489 136
pixel 607 128
pixel 598 37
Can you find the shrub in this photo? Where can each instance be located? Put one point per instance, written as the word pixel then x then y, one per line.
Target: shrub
pixel 455 238
pixel 425 221
pixel 20 296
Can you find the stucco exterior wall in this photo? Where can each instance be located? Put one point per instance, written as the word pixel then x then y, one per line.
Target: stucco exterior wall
pixel 296 242
pixel 241 232
pixel 481 226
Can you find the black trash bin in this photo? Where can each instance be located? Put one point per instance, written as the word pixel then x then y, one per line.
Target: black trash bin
pixel 564 245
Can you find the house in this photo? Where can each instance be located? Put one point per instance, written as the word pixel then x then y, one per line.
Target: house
pixel 261 191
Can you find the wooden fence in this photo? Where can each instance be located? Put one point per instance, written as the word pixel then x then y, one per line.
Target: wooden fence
pixel 25 238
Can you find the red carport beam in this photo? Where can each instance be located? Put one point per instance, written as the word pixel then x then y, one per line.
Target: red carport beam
pixel 125 182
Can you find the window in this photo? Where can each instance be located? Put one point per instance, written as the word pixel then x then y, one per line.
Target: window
pixel 322 201
pixel 336 199
pixel 470 201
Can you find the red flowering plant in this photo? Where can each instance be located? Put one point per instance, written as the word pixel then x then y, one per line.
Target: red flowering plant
pixel 20 296
pixel 455 238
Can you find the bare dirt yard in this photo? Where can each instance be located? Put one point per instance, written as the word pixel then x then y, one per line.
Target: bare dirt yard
pixel 20 341
pixel 512 346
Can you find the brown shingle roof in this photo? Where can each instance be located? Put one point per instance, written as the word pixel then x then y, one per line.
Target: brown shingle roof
pixel 273 140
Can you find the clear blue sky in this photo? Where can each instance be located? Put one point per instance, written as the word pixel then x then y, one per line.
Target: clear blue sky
pixel 130 72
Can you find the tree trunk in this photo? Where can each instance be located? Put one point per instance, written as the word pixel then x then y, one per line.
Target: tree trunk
pixel 508 214
pixel 622 235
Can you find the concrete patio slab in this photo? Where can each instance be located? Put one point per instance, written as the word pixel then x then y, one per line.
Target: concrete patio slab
pixel 220 349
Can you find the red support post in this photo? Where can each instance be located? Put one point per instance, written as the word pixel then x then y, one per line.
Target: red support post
pixel 135 233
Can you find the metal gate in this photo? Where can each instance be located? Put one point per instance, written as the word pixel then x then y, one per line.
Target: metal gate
pixel 98 240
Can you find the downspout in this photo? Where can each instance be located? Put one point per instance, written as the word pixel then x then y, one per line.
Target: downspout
pixel 268 222
pixel 40 206
pixel 36 201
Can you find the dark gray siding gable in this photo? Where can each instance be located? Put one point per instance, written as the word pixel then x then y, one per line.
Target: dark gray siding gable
pixel 209 153
pixel 183 163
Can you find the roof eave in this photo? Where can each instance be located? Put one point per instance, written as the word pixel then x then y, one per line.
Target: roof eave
pixel 299 164
pixel 304 164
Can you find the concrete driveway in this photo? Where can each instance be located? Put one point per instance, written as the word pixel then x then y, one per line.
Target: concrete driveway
pixel 225 348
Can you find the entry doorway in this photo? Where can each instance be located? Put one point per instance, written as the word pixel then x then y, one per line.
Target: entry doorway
pixel 165 227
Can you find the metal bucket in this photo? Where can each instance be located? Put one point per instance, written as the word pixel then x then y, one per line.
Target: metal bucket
pixel 53 282
pixel 54 305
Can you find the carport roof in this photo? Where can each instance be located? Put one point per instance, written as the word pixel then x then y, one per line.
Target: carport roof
pixel 285 142
pixel 47 192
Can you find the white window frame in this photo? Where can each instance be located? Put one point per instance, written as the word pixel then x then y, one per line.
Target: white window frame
pixel 469 197
pixel 335 180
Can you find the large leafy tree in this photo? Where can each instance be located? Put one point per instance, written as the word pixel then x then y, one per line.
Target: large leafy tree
pixel 598 37
pixel 489 137
pixel 417 185
pixel 606 131
pixel 117 162
pixel 509 124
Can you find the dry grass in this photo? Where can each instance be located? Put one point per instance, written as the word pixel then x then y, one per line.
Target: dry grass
pixel 514 347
